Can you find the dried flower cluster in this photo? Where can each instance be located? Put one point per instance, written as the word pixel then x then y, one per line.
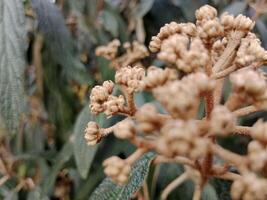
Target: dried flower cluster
pixel 208 52
pixel 133 53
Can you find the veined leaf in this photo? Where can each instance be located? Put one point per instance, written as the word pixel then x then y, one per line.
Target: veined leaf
pixel 52 25
pixel 108 190
pixel 83 153
pixel 12 63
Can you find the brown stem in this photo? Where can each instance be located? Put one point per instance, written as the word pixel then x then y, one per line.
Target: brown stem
pixel 233 102
pixel 228 176
pixel 242 130
pixel 229 53
pixel 37 62
pixel 218 91
pixel 245 111
pixel 174 184
pixel 224 73
pixel 232 158
pixel 178 159
pixel 136 155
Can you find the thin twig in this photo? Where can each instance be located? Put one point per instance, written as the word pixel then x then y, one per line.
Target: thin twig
pixel 174 184
pixel 197 192
pixel 228 176
pixel 242 130
pixel 245 111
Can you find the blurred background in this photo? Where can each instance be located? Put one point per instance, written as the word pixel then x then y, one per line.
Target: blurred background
pixel 45 157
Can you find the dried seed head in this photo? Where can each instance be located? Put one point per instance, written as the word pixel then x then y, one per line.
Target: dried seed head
pixel 157 77
pixel 99 95
pixel 117 169
pixel 222 121
pixel 130 77
pixel 92 133
pixel 125 129
pixel 109 51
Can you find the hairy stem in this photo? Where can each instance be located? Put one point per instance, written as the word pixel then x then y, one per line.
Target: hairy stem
pixel 174 184
pixel 245 111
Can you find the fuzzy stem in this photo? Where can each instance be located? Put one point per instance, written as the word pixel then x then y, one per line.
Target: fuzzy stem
pixel 229 53
pixel 197 192
pixel 174 184
pixel 224 72
pixel 178 159
pixel 233 102
pixel 245 111
pixel 136 155
pixel 242 130
pixel 228 176
pixel 233 158
pixel 218 91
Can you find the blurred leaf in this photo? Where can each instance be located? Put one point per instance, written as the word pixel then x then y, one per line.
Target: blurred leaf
pixel 63 156
pixel 83 153
pixel 235 8
pixel 52 25
pixel 143 7
pixel 107 190
pixel 168 172
pixel 35 194
pixel 209 193
pixel 189 7
pixel 261 26
pixel 110 23
pixel 12 63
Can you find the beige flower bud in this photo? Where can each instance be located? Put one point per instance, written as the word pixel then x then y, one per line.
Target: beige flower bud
pixel 109 51
pixel 99 95
pixel 222 121
pixel 124 129
pixel 92 133
pixel 259 131
pixel 117 169
pixel 157 77
pixel 206 12
pixel 114 105
pixel 147 119
pixel 130 77
pixel 257 155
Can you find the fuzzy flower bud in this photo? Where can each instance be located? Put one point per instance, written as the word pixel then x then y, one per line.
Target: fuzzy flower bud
pixel 179 138
pixel 109 51
pixel 222 121
pixel 114 105
pixel 117 169
pixel 92 133
pixel 130 77
pixel 157 77
pixel 259 131
pixel 147 119
pixel 249 187
pixel 124 129
pixel 99 95
pixel 257 155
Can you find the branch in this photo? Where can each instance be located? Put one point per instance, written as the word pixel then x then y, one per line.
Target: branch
pixel 174 184
pixel 245 111
pixel 242 130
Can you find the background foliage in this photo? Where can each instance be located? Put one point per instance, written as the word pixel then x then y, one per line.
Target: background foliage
pixel 47 68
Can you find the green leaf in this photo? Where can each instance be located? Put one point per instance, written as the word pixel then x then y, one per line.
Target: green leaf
pixel 12 63
pixel 143 7
pixel 63 156
pixel 107 190
pixel 236 7
pixel 110 23
pixel 209 193
pixel 83 153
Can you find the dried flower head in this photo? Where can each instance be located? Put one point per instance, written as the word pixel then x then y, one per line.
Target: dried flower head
pixel 207 52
